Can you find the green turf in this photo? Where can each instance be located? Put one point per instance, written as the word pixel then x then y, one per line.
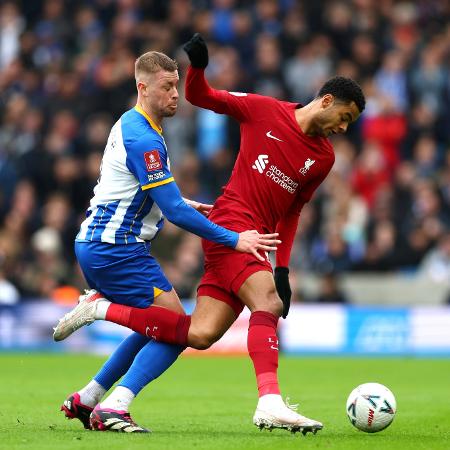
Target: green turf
pixel 207 403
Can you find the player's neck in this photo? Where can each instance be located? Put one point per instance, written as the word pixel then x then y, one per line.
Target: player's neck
pixel 155 118
pixel 304 117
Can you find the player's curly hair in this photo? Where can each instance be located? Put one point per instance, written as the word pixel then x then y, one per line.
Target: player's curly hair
pixel 344 89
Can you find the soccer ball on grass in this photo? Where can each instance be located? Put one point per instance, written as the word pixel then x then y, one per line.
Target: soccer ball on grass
pixel 371 407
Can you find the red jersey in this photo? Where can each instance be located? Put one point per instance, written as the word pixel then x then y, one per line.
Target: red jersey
pixel 278 167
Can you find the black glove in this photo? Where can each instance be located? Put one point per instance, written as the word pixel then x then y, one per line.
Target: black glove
pixel 283 288
pixel 197 51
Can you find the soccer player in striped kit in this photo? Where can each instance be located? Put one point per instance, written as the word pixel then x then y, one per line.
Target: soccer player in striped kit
pixel 283 158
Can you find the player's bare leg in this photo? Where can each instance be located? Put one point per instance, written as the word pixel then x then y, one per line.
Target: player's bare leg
pixel 169 300
pixel 164 321
pixel 209 322
pixel 258 292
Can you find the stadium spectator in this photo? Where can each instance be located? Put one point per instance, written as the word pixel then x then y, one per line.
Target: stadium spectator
pixel 329 290
pixel 12 24
pixel 9 294
pixel 436 264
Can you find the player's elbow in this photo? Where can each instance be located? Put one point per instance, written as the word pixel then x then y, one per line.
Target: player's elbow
pixel 198 98
pixel 191 95
pixel 175 214
pixel 173 217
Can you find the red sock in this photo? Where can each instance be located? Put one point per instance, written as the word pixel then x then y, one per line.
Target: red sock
pixel 262 344
pixel 155 322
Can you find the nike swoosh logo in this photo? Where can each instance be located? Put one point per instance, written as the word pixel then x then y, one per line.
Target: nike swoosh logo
pixel 271 136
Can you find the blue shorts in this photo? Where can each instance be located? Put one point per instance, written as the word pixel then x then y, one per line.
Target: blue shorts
pixel 125 274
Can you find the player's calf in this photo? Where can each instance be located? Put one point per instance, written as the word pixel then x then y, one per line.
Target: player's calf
pixel 209 322
pixel 155 322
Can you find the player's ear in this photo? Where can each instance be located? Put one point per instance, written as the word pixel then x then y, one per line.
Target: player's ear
pixel 327 100
pixel 142 87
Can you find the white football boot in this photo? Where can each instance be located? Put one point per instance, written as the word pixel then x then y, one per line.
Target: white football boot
pixel 272 412
pixel 82 314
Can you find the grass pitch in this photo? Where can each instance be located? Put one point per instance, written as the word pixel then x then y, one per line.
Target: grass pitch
pixel 207 403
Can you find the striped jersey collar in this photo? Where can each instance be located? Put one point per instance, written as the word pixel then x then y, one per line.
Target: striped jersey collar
pixel 149 120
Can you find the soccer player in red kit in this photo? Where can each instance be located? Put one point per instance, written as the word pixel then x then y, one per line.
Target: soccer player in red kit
pixel 284 156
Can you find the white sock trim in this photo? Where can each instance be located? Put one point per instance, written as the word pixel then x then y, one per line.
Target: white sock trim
pixel 101 309
pixel 92 393
pixel 119 399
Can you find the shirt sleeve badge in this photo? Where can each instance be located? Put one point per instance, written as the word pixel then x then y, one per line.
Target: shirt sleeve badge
pixel 153 160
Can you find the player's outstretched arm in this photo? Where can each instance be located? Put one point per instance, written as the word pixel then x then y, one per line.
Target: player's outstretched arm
pixel 200 93
pixel 175 209
pixel 250 240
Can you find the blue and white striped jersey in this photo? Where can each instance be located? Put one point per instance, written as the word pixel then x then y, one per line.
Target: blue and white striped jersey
pixel 135 160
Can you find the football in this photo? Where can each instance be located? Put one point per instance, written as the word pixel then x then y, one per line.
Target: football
pixel 371 407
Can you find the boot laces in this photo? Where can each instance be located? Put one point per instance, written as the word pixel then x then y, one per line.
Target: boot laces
pixel 292 407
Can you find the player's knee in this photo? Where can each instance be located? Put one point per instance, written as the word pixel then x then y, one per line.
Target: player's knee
pixel 201 339
pixel 203 343
pixel 276 306
pixel 271 303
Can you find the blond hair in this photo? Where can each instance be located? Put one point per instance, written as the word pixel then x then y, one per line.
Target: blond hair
pixel 152 62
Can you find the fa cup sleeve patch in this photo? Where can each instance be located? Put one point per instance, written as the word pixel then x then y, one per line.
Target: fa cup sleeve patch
pixel 152 160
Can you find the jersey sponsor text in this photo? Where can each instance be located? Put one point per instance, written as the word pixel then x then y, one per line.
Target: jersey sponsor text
pixel 280 178
pixel 275 174
pixel 155 176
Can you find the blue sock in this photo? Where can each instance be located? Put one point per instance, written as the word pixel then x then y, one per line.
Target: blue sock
pixel 153 360
pixel 120 361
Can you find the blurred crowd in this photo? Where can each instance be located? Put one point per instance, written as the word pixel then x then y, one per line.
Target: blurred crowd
pixel 66 74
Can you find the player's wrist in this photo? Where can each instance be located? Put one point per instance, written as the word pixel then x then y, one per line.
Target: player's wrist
pixel 234 238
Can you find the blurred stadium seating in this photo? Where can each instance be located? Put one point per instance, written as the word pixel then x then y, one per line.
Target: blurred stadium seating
pixel 381 219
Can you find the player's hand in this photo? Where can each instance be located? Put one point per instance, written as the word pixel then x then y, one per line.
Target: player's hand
pixel 202 208
pixel 283 288
pixel 197 51
pixel 251 241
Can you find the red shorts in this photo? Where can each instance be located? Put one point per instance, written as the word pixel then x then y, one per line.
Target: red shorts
pixel 225 272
